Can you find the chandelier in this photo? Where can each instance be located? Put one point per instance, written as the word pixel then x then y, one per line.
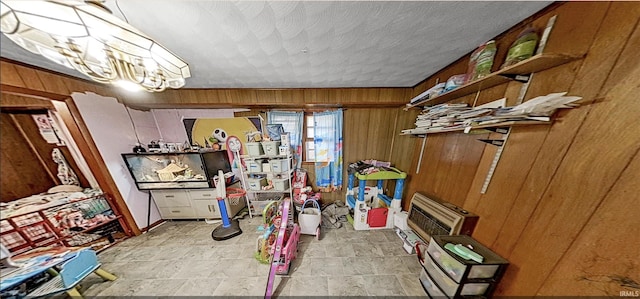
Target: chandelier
pixel 85 36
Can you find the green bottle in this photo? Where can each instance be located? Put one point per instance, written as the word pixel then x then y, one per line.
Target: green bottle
pixel 523 48
pixel 484 62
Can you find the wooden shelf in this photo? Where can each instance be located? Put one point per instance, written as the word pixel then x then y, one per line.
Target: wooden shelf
pixel 536 63
pixel 502 124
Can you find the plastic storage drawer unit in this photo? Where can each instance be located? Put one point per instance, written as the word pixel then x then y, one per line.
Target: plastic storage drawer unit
pixel 447 266
pixel 449 286
pixel 454 266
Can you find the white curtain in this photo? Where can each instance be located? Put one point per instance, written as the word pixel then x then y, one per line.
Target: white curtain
pixel 292 122
pixel 328 149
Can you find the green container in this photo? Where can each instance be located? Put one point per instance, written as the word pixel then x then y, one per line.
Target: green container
pixel 523 48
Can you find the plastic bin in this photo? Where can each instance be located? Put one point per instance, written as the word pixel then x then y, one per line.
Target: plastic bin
pixel 279 165
pixel 254 148
pixel 280 184
pixel 256 184
pixel 254 166
pixel 271 147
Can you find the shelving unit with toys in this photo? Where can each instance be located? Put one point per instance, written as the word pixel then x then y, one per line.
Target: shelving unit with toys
pixel 268 174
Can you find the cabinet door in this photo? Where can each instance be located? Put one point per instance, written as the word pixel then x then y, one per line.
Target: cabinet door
pixel 171 198
pixel 206 208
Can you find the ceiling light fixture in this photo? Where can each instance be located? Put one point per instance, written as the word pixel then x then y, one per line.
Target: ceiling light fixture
pixel 85 36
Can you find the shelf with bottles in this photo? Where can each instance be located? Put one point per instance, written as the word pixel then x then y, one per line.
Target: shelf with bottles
pixel 534 64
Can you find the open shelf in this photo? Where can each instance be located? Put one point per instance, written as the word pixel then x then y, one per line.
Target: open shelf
pixel 264 157
pixel 494 125
pixel 269 191
pixel 93 227
pixel 536 63
pixel 288 172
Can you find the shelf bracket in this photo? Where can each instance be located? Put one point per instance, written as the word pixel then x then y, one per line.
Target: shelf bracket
pixel 499 130
pixel 424 142
pixel 517 77
pixel 523 91
pixel 496 142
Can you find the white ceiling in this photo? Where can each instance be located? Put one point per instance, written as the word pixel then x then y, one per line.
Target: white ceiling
pixel 311 44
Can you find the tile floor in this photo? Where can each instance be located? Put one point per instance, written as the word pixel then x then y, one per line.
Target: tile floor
pixel 179 258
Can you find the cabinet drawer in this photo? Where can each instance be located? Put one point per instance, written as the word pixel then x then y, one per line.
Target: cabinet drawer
pixel 446 284
pixel 176 212
pixel 455 269
pixel 203 194
pixel 429 286
pixel 172 198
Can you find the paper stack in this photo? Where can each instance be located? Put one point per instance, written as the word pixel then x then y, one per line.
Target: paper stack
pixel 455 117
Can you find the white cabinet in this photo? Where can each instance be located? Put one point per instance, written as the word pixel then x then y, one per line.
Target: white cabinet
pixel 193 204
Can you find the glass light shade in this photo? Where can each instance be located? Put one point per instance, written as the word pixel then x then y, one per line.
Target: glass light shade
pixel 89 39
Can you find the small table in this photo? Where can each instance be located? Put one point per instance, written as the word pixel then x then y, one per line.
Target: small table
pixel 74 263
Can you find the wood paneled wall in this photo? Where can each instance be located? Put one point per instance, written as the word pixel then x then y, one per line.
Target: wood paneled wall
pixel 562 205
pixel 26 163
pixel 564 197
pixel 369 133
pixel 22 173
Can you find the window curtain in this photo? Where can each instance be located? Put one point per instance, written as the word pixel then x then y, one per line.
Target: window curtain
pixel 292 123
pixel 328 149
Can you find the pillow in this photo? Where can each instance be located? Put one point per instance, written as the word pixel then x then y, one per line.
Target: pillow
pixel 64 188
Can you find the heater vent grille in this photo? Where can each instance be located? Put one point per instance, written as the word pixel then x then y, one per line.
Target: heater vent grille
pixel 429 217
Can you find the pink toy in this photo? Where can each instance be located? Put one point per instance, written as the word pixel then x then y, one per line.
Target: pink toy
pixel 285 247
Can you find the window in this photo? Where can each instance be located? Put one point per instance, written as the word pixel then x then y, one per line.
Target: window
pixel 292 122
pixel 309 148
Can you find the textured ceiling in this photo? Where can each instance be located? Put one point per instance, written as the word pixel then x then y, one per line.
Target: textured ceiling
pixel 311 44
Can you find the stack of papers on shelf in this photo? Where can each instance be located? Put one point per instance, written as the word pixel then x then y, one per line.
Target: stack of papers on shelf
pixel 457 117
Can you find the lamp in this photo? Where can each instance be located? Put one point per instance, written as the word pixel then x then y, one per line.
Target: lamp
pixel 85 36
